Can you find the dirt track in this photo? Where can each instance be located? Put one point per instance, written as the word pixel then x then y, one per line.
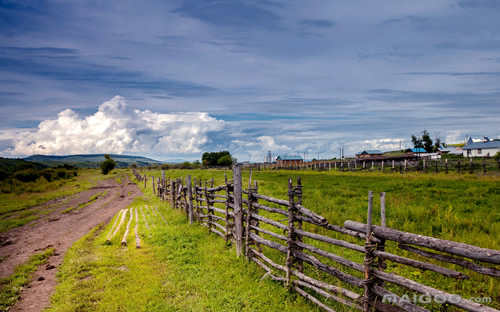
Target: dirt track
pixel 59 231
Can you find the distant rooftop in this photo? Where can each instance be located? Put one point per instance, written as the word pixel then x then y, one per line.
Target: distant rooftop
pixel 484 145
pixel 289 157
pixel 371 152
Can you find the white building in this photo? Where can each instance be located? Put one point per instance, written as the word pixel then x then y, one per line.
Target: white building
pixel 481 149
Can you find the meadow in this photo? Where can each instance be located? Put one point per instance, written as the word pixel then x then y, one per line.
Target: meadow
pixel 182 267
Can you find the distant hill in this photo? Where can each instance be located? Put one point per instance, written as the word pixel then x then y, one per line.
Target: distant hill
pixel 91 160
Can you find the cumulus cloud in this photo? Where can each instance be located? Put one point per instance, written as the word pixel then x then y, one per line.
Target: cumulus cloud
pixel 117 128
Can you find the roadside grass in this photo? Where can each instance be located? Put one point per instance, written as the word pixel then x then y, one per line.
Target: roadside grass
pixel 463 208
pixel 16 208
pixel 179 267
pixel 10 287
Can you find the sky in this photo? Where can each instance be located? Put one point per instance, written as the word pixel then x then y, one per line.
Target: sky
pixel 173 79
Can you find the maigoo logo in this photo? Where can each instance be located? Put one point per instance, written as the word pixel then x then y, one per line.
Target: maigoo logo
pixel 426 299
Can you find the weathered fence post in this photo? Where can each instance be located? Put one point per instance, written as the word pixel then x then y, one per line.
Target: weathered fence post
pixel 238 209
pixel 210 212
pixel 189 199
pixel 471 166
pixel 153 184
pixel 458 166
pixel 196 207
pixel 369 258
pixel 446 165
pixel 172 193
pixel 298 191
pixel 291 233
pixel 248 220
pixel 145 180
pixel 381 245
pixel 229 201
pixel 484 166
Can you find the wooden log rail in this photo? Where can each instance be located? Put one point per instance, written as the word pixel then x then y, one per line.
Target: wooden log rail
pixel 455 248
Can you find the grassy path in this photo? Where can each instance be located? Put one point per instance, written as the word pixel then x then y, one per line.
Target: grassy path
pixel 178 268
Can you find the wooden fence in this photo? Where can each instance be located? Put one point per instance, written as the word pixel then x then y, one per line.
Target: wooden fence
pixel 461 166
pixel 295 247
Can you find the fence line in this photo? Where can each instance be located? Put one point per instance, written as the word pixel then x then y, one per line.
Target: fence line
pixel 270 232
pixel 461 166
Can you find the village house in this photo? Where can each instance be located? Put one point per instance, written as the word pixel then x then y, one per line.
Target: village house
pixel 289 160
pixel 481 149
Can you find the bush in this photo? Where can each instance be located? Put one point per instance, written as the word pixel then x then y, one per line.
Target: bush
pixel 497 156
pixel 28 175
pixel 48 174
pixel 164 167
pixel 107 165
pixel 3 175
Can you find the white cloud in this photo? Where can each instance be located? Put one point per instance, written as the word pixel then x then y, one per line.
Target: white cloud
pixel 117 128
pixel 385 144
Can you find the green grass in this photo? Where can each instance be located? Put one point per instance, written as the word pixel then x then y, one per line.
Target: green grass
pixel 179 268
pixel 464 208
pixel 16 207
pixel 11 286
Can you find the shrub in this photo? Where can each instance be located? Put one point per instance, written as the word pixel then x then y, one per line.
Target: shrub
pixel 28 175
pixel 497 156
pixel 48 174
pixel 164 166
pixel 107 165
pixel 3 175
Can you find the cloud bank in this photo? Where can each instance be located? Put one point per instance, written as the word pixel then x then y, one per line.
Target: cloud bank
pixel 117 128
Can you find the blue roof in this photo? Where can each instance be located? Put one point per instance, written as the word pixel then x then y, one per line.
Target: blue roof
pixel 418 150
pixel 289 157
pixel 486 145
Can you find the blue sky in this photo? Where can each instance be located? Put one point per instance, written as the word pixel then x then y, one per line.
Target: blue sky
pixel 171 79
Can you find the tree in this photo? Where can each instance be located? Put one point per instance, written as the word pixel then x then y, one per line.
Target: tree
pixel 211 159
pixel 107 165
pixel 426 142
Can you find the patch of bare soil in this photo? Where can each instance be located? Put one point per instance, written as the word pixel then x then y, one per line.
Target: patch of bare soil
pixel 59 231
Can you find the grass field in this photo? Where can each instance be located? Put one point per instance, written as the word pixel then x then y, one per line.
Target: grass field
pixel 16 208
pixel 179 268
pixel 464 208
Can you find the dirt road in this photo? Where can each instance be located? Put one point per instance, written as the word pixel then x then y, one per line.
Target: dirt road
pixel 59 230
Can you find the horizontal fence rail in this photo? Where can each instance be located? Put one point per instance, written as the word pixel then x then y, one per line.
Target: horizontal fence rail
pixel 292 245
